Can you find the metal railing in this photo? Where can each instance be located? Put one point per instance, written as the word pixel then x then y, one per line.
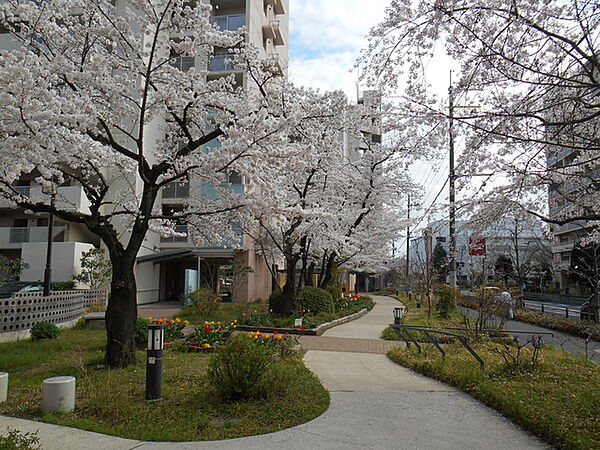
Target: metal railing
pixel 229 22
pixel 404 332
pixel 174 239
pixel 221 63
pixel 568 313
pixel 19 234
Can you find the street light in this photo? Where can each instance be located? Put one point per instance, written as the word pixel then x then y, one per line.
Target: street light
pixel 399 313
pixel 51 191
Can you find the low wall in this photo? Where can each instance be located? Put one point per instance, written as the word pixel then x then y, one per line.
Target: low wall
pixel 23 310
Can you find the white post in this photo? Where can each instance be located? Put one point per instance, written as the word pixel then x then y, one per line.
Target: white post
pixel 58 394
pixel 3 386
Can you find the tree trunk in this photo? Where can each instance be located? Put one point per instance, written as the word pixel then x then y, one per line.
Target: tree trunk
pixel 288 293
pixel 327 274
pixel 121 315
pixel 308 280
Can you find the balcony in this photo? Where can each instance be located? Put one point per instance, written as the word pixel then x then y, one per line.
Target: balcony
pixel 68 198
pixel 183 63
pixel 272 30
pixel 176 189
pixel 221 63
pixel 14 237
pixel 277 6
pixel 176 239
pixel 565 246
pixel 230 22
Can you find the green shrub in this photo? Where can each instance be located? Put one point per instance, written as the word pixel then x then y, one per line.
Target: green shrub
pixel 18 440
pixel 62 285
pixel 336 292
pixel 141 333
pixel 235 370
pixel 276 302
pixel 44 330
pixel 203 301
pixel 316 300
pixel 447 299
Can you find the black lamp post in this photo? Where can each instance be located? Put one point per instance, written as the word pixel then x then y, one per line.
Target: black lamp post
pixel 399 312
pixel 154 361
pixel 50 190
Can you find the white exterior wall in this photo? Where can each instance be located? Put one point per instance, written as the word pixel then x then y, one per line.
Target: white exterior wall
pixel 66 260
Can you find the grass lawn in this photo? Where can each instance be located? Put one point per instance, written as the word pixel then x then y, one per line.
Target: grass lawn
pixel 559 401
pixel 418 316
pixel 112 401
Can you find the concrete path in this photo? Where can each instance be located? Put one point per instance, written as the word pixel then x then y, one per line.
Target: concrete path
pixel 159 310
pixel 375 404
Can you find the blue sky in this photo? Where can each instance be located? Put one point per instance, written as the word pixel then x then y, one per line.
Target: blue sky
pixel 326 37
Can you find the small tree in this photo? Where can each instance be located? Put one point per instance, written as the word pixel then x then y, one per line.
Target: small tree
pixel 440 262
pixel 11 269
pixel 96 270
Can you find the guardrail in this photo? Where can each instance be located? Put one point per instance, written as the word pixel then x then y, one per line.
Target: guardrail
pixel 569 313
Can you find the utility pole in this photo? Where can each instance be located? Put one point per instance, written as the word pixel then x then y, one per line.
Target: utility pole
pixel 452 193
pixel 408 240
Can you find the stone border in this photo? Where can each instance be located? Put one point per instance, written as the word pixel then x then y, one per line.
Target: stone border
pixel 310 332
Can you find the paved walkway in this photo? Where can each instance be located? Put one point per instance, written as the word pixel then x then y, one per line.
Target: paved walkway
pixel 375 404
pixel 159 310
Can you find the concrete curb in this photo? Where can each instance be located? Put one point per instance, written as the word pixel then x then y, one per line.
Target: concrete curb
pixel 311 332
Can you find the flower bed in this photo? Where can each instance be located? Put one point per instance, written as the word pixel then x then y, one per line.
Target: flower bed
pixel 207 337
pixel 267 320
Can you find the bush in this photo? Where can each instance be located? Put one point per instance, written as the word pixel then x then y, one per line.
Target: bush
pixel 582 329
pixel 203 301
pixel 316 300
pixel 44 330
pixel 62 285
pixel 141 332
pixel 447 299
pixel 276 302
pixel 235 370
pixel 336 292
pixel 18 440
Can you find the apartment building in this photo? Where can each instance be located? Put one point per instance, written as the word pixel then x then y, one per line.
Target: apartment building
pixel 166 268
pixel 561 197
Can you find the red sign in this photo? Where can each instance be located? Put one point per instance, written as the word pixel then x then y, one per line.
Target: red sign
pixel 477 246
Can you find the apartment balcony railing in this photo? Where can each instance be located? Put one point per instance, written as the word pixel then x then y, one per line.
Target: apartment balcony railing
pixel 272 30
pixel 13 237
pixel 277 6
pixel 230 22
pixel 176 239
pixel 221 63
pixel 70 198
pixel 176 189
pixel 183 63
pixel 19 235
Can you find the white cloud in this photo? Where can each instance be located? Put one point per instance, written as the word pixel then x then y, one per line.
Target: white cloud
pixel 327 37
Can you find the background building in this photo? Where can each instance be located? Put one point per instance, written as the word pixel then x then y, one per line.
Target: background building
pixel 166 268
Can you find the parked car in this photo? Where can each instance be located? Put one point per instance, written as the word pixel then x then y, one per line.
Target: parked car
pixel 12 287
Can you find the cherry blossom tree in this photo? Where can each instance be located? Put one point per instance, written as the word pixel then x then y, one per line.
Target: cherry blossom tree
pixel 91 93
pixel 532 69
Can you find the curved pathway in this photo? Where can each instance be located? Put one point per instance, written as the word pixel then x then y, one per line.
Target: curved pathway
pixel 375 404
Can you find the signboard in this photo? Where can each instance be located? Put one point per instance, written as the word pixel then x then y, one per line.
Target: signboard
pixel 477 246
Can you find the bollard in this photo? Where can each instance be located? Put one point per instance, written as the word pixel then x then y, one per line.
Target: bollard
pixel 399 312
pixel 3 386
pixel 154 361
pixel 58 394
pixel 542 307
pixel 567 312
